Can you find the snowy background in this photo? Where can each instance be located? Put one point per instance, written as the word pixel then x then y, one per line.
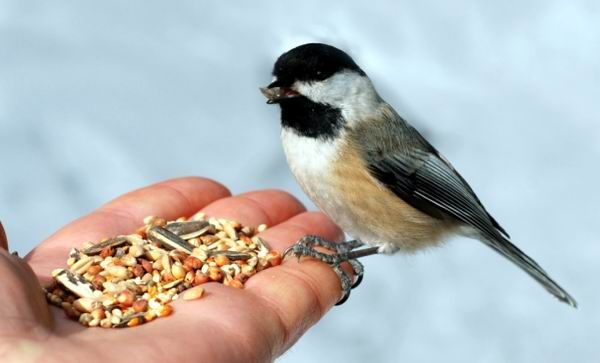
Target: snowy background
pixel 97 99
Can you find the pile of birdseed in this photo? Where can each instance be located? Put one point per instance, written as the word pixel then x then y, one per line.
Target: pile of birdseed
pixel 129 280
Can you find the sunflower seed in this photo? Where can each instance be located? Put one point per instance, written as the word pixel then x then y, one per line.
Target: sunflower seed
pixel 188 230
pixel 169 239
pixel 74 282
pixel 97 248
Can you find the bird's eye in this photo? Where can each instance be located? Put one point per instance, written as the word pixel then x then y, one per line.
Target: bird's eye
pixel 318 73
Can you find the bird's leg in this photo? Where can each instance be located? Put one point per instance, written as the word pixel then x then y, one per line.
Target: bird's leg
pixel 342 252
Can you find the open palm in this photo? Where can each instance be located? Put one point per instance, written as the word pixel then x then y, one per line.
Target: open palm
pixel 255 324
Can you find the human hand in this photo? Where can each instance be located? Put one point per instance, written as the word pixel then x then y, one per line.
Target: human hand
pixel 255 324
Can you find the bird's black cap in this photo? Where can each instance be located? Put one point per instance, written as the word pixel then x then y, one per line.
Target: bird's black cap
pixel 311 62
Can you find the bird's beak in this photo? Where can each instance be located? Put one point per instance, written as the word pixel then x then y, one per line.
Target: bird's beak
pixel 275 93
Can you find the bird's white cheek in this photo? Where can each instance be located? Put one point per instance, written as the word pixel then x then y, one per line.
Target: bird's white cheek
pixel 353 94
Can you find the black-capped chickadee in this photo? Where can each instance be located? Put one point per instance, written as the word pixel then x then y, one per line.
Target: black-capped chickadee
pixel 370 171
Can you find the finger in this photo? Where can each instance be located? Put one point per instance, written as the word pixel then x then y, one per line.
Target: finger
pixel 169 199
pixel 269 207
pixel 299 293
pixel 3 239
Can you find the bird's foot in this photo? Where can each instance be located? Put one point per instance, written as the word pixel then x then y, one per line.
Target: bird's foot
pixel 341 252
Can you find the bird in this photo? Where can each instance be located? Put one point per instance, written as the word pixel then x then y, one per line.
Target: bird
pixel 371 172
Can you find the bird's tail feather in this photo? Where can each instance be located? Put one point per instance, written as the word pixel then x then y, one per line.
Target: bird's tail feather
pixel 527 264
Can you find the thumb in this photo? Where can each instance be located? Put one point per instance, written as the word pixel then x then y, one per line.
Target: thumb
pixel 24 309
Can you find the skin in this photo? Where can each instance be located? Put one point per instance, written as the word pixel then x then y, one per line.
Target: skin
pixel 256 324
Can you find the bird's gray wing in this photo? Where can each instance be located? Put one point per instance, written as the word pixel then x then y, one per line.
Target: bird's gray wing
pixel 423 178
pixel 407 164
pixel 427 182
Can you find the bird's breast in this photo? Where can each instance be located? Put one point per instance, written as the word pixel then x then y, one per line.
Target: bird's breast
pixel 336 179
pixel 311 160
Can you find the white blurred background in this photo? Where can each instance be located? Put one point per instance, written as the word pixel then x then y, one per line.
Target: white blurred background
pixel 97 99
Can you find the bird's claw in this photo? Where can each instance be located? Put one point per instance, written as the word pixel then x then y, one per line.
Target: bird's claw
pixel 305 247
